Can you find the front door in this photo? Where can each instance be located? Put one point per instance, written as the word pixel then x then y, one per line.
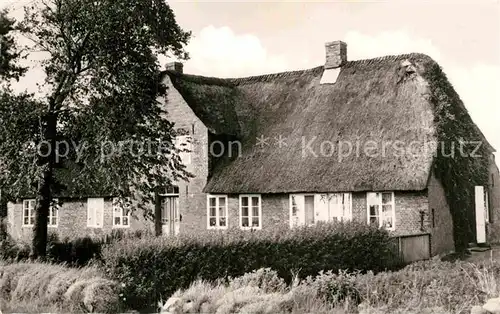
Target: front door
pixel 170 215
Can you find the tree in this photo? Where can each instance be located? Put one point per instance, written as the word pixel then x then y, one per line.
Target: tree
pixel 90 133
pixel 8 50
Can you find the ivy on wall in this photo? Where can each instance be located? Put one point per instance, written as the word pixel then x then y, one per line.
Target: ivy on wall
pixel 462 157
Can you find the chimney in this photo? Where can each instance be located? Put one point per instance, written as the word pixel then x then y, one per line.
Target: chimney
pixel 336 54
pixel 174 67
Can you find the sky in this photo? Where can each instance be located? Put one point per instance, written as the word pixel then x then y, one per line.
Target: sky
pixel 243 38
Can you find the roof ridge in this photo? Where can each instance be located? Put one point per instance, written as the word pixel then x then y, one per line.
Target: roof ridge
pixel 232 82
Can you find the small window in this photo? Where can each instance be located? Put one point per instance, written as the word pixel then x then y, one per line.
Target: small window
pixel 121 213
pixel 29 213
pixel 217 212
pixel 53 214
pixel 295 211
pixel 381 211
pixel 250 212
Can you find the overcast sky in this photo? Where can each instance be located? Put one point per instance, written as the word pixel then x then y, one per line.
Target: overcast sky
pixel 232 39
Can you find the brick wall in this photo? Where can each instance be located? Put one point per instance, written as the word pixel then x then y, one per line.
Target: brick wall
pixel 441 224
pixel 192 200
pixel 276 211
pixel 72 221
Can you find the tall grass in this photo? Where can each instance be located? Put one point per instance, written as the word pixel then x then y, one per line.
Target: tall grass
pixel 56 288
pixel 425 287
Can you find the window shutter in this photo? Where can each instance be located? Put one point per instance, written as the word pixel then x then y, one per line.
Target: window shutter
pixel 90 213
pixel 95 212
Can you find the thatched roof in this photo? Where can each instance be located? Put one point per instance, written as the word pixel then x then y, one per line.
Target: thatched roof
pixel 385 100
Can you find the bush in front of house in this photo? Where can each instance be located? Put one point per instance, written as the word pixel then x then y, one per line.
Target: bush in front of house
pixel 153 268
pixel 77 252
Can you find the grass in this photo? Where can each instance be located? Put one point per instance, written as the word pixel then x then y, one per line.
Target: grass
pixel 426 287
pixel 31 287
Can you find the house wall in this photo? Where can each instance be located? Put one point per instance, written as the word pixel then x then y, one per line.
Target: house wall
pixel 72 221
pixel 276 211
pixel 493 227
pixel 192 200
pixel 441 225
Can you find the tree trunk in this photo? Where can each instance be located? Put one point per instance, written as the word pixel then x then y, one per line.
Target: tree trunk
pixel 46 159
pixel 157 216
pixel 39 243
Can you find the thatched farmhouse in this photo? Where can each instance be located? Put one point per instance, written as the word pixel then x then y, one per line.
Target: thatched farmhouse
pixel 386 141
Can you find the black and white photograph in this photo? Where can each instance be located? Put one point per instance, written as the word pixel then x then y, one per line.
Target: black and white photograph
pixel 254 157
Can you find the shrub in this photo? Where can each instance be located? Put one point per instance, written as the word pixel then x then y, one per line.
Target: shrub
pixel 336 288
pixel 206 297
pixel 3 229
pixel 264 278
pixel 77 252
pixel 453 286
pixel 11 250
pixel 156 267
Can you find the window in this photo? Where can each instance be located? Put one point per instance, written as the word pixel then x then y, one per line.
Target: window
pixel 250 212
pixel 121 213
pixel 53 215
pixel 381 211
pixel 486 206
pixel 217 211
pixel 294 211
pixel 184 144
pixel 308 209
pixel 95 212
pixel 29 214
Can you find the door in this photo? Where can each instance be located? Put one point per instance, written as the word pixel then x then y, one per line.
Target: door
pixel 170 215
pixel 309 209
pixel 481 213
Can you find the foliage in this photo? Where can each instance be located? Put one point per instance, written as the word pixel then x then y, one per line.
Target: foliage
pixel 99 119
pixel 66 289
pixel 425 287
pixel 336 288
pixel 458 166
pixel 154 268
pixel 77 252
pixel 262 278
pixel 8 51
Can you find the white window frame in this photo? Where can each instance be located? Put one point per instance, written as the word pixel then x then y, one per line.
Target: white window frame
pixel 217 217
pixel 290 202
pixel 95 214
pixel 317 197
pixel 250 216
pixel 117 205
pixel 393 204
pixel 31 214
pixel 50 217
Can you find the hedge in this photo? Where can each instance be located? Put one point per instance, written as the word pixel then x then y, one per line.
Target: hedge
pixel 152 269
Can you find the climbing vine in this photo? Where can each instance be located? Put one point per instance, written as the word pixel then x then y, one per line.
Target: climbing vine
pixel 462 158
